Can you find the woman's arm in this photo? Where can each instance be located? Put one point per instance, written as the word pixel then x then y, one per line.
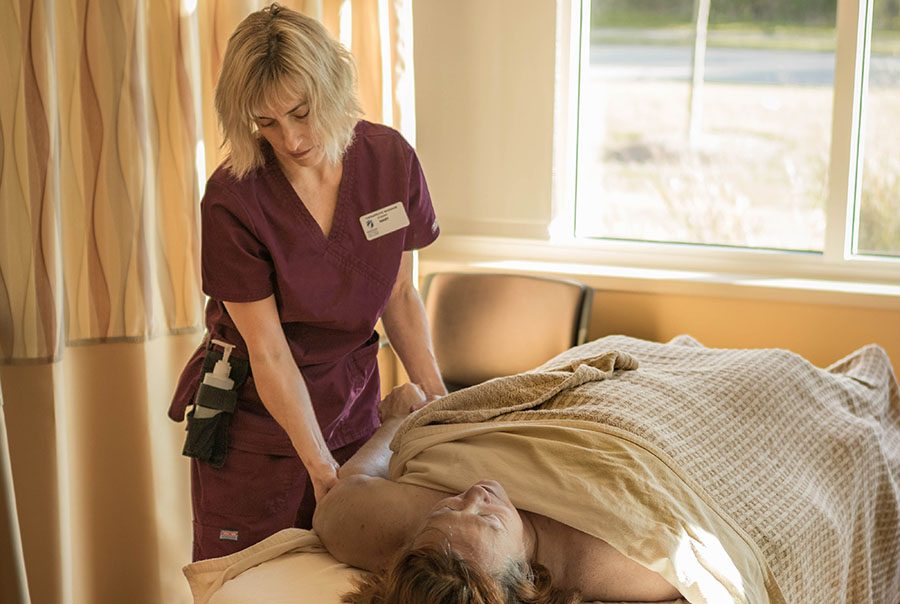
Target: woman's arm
pixel 373 458
pixel 365 519
pixel 407 329
pixel 282 389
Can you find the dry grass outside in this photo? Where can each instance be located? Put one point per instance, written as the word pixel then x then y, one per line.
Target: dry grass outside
pixel 879 215
pixel 756 177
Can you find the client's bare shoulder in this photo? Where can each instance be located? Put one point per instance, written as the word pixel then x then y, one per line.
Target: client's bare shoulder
pixel 579 561
pixel 364 521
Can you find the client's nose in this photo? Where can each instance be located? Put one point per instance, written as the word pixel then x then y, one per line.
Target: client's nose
pixel 475 496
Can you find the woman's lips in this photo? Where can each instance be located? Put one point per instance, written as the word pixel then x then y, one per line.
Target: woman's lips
pixel 301 154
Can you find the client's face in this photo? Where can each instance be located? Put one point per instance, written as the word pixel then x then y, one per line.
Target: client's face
pixel 481 525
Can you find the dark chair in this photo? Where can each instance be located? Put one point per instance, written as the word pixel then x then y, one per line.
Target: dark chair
pixel 491 325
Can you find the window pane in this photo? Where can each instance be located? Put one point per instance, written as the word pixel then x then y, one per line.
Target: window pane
pixel 879 212
pixel 754 173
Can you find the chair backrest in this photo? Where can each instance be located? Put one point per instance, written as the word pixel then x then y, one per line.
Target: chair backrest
pixel 491 325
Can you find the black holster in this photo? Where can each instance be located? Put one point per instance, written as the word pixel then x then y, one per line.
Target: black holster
pixel 209 419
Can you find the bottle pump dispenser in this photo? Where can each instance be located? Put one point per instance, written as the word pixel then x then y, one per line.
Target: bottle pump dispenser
pixel 219 377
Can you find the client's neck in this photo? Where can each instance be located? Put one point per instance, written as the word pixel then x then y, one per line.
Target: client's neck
pixel 531 536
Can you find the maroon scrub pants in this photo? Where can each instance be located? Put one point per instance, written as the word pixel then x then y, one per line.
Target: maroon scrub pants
pixel 252 496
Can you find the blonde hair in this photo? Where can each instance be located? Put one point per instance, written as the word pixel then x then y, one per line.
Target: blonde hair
pixel 277 56
pixel 437 575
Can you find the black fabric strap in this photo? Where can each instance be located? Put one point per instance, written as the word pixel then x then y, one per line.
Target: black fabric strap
pixel 216 398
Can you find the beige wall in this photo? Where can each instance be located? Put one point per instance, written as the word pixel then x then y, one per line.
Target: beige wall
pixel 822 333
pixel 484 112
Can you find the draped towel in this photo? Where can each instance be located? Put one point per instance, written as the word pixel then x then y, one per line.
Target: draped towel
pixel 739 475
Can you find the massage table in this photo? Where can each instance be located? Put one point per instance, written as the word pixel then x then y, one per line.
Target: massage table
pixel 747 476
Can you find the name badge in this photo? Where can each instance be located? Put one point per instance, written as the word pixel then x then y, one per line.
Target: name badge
pixel 386 220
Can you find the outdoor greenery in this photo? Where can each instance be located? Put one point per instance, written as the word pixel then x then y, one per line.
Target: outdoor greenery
pixel 815 13
pixel 773 24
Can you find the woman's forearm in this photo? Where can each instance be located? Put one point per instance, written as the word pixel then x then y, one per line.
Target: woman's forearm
pixel 407 329
pixel 281 387
pixel 373 458
pixel 285 396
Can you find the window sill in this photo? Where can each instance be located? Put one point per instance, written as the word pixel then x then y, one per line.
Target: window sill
pixel 621 268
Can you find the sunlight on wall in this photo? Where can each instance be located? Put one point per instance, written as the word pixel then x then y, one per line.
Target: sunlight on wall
pixel 560 229
pixel 346 27
pixel 824 285
pixel 188 7
pixel 200 164
pixel 564 268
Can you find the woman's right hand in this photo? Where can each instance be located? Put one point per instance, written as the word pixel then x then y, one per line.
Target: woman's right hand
pixel 402 401
pixel 323 477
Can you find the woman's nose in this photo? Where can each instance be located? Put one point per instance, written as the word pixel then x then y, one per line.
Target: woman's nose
pixel 293 138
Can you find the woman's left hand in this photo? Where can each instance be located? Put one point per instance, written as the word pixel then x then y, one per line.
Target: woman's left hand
pixel 402 401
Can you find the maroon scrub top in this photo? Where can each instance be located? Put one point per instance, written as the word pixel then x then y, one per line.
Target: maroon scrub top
pixel 258 239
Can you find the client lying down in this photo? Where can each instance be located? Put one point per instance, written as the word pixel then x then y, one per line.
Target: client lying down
pixel 633 470
pixel 436 548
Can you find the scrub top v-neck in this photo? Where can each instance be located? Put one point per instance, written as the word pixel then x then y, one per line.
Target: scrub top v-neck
pixel 306 218
pixel 258 239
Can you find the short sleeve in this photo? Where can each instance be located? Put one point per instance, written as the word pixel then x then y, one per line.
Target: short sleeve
pixel 423 226
pixel 235 265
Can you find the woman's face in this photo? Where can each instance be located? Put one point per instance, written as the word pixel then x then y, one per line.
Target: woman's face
pixel 285 125
pixel 481 525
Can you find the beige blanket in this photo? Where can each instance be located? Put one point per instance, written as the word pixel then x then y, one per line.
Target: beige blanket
pixel 740 475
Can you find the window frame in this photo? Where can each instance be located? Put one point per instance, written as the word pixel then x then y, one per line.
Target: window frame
pixel 837 261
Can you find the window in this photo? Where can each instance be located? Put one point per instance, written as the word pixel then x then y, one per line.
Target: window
pixel 879 205
pixel 742 123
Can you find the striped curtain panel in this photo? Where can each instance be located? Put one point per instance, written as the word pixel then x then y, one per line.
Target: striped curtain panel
pixel 108 133
pixel 99 186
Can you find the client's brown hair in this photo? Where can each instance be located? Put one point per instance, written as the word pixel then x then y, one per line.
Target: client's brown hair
pixel 437 575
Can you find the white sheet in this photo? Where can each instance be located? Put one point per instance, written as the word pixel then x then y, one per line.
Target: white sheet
pixel 290 567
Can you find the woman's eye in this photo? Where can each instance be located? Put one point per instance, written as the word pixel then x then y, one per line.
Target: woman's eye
pixel 264 124
pixel 300 117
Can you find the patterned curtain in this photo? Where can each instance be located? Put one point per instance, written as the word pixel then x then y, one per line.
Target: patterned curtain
pixel 108 133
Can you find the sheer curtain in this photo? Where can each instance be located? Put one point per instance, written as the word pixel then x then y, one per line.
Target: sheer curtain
pixel 108 133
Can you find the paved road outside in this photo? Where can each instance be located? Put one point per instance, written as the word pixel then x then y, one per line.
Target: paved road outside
pixel 731 65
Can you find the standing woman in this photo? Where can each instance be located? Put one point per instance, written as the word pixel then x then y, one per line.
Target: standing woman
pixel 308 229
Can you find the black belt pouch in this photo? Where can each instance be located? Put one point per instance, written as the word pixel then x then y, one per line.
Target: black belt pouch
pixel 209 419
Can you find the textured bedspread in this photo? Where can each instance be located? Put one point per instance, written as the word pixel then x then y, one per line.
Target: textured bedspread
pixel 740 475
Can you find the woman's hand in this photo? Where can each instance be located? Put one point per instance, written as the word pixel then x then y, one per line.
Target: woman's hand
pixel 402 401
pixel 323 477
pixel 374 457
